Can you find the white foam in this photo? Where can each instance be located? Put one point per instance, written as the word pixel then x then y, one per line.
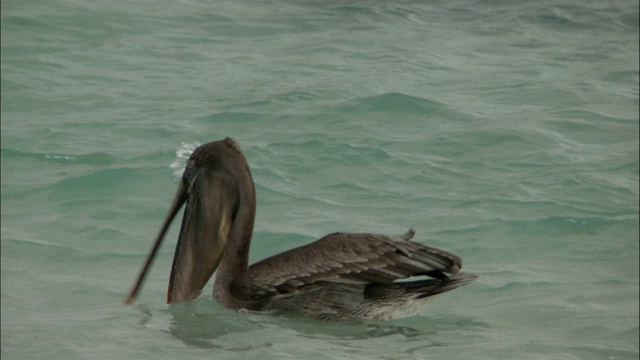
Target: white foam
pixel 182 155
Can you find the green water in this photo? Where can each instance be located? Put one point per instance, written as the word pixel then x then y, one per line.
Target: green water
pixel 506 133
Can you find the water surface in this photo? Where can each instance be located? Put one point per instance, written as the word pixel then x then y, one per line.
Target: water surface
pixel 506 133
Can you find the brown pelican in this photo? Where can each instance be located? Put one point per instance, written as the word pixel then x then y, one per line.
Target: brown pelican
pixel 339 277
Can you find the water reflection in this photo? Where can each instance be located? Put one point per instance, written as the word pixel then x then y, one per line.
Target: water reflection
pixel 203 323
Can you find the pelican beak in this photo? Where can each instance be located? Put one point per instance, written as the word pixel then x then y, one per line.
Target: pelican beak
pixel 210 207
pixel 204 233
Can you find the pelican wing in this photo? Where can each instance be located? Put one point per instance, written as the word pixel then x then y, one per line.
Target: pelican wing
pixel 343 258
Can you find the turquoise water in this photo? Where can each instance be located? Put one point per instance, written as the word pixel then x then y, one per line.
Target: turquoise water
pixel 506 133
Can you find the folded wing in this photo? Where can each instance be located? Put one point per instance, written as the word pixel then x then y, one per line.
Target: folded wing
pixel 344 258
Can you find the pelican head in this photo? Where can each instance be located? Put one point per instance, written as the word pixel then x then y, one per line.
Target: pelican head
pixel 217 189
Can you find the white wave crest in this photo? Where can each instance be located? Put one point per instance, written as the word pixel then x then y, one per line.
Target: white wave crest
pixel 182 155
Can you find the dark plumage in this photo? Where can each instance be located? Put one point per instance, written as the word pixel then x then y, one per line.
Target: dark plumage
pixel 341 276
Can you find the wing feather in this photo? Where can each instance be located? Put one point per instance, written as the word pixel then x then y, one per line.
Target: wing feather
pixel 343 258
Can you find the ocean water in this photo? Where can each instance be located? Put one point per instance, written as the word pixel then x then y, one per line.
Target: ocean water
pixel 506 132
